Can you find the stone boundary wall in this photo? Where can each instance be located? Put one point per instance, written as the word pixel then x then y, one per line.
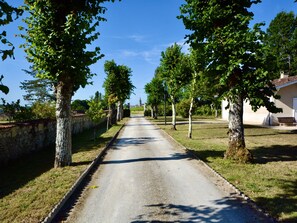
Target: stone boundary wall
pixel 24 138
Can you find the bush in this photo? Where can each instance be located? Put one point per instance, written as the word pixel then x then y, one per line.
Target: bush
pixel 44 110
pixel 183 108
pixel 147 113
pixel 127 113
pixel 168 110
pixel 204 110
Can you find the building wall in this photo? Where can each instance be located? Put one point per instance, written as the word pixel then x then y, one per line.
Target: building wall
pixel 286 101
pixel 24 138
pixel 261 117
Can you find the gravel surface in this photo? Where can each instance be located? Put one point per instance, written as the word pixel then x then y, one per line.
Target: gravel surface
pixel 146 177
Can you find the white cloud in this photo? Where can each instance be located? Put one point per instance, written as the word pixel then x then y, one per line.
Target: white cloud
pixel 137 38
pixel 134 37
pixel 152 55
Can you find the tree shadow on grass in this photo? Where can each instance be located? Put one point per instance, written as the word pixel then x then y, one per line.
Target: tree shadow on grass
pixel 283 203
pixel 17 173
pixel 275 153
pixel 205 154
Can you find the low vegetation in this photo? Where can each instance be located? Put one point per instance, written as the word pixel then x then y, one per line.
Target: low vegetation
pixel 271 181
pixel 31 187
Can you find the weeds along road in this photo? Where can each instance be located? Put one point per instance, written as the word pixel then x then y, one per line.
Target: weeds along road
pixel 146 177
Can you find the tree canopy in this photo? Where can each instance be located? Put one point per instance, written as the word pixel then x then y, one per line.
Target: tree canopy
pixel 175 70
pixel 57 36
pixel 236 58
pixel 37 89
pixel 281 40
pixel 118 86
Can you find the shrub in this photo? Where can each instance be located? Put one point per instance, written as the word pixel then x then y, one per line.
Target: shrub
pixel 127 112
pixel 183 108
pixel 168 109
pixel 44 110
pixel 147 113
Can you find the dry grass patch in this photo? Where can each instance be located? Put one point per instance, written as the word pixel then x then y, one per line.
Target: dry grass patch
pixel 31 187
pixel 271 181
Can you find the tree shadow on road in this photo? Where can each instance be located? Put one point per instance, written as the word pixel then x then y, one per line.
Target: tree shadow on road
pixel 123 142
pixel 222 211
pixel 175 156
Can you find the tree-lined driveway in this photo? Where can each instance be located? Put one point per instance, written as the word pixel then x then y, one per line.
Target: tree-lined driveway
pixel 146 177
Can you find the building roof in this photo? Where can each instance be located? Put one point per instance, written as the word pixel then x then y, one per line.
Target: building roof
pixel 285 81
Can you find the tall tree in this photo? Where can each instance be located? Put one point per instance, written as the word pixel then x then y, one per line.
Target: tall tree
pixel 176 71
pixel 125 88
pixel 282 42
pixel 7 15
pixel 57 36
pixel 155 94
pixel 37 89
pixel 118 87
pixel 236 59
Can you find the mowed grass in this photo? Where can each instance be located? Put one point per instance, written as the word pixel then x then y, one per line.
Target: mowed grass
pixel 271 181
pixel 31 187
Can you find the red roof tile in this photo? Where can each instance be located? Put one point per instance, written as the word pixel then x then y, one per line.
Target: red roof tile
pixel 284 81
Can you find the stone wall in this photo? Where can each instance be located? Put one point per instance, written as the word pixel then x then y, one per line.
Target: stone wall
pixel 24 138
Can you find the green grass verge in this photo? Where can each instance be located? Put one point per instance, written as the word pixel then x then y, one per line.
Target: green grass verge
pixel 31 187
pixel 271 181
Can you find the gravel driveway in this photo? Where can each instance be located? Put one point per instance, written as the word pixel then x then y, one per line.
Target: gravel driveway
pixel 146 177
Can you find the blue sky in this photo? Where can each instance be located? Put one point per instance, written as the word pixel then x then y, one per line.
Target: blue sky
pixel 135 34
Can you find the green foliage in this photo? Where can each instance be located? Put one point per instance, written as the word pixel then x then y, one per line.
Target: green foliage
pixel 117 84
pixel 43 110
pixel 174 69
pixel 204 110
pixel 281 40
pixel 95 111
pixel 136 108
pixel 7 15
pixel 80 105
pixel 155 91
pixel 57 36
pixel 127 112
pixel 3 88
pixel 235 53
pixel 147 113
pixel 38 90
pixel 15 112
pixel 183 108
pixel 168 109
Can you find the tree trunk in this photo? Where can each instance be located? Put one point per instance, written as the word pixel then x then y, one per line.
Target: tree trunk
pixel 118 111
pixel 112 114
pixel 63 155
pixel 173 113
pixel 190 118
pixel 236 148
pixel 121 110
pixel 152 111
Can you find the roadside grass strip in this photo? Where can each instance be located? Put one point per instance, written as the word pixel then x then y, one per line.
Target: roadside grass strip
pixel 271 181
pixel 31 187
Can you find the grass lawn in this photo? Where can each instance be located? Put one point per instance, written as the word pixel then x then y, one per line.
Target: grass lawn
pixel 31 187
pixel 271 181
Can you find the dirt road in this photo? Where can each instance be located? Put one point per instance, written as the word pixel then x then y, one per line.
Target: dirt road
pixel 145 177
